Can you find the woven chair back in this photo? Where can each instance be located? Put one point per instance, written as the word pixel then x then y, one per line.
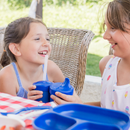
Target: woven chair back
pixel 69 52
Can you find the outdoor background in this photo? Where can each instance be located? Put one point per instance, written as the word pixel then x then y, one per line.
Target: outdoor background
pixel 79 14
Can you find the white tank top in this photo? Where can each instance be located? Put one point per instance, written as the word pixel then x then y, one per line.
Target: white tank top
pixel 113 96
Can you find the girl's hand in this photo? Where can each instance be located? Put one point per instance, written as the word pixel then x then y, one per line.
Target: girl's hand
pixel 66 98
pixel 34 94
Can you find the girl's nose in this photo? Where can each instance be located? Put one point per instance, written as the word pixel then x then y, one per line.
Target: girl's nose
pixel 106 35
pixel 45 42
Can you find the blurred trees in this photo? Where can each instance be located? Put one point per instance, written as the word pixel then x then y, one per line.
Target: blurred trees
pixel 17 4
pixel 71 2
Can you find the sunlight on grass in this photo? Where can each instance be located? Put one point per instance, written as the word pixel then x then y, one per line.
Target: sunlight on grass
pixel 72 17
pixel 92 67
pixel 99 47
pixel 8 16
pixel 97 50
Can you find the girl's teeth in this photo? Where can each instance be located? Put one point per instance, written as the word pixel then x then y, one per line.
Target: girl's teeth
pixel 44 53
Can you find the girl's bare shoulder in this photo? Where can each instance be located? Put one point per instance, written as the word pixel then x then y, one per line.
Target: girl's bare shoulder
pixel 54 72
pixel 7 74
pixel 52 67
pixel 51 64
pixel 8 80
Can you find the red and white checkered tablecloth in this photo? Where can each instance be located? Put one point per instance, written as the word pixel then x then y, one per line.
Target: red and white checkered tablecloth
pixel 9 103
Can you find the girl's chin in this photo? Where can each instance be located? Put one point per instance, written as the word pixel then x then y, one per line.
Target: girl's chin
pixel 116 54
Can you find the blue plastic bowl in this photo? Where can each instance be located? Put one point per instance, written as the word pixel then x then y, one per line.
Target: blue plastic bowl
pixel 52 121
pixel 82 117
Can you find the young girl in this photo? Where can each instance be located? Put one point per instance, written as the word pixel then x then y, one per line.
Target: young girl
pixel 115 70
pixel 26 42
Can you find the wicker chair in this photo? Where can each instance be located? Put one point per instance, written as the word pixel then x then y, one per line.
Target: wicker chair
pixel 69 52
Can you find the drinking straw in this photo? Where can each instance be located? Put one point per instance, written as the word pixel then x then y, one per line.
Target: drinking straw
pixel 45 67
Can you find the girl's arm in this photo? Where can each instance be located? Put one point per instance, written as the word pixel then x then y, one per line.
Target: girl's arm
pixel 71 99
pixel 93 103
pixel 66 98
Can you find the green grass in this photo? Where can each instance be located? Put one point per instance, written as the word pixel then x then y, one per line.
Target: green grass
pixel 8 16
pixel 80 17
pixel 92 64
pixel 97 50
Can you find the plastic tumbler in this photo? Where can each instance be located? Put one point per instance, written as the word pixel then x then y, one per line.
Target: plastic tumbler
pixel 64 88
pixel 43 86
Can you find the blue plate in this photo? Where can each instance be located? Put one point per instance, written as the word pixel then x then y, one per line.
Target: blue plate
pixel 94 126
pixel 53 121
pixel 82 117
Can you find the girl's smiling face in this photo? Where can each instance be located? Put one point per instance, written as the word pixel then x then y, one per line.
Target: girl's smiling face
pixel 35 45
pixel 119 40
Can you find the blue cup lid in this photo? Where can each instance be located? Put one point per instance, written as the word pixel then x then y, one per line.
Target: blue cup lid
pixel 64 87
pixel 43 84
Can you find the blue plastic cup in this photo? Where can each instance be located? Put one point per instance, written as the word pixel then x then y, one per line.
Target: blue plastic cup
pixel 43 86
pixel 64 88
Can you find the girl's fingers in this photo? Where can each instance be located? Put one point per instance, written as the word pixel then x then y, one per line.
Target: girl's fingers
pixel 34 92
pixel 31 87
pixel 58 100
pixel 67 98
pixel 35 97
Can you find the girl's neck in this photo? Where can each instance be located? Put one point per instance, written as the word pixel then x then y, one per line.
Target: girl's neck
pixel 125 63
pixel 29 71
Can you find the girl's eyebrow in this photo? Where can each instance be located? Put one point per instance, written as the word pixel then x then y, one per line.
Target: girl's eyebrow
pixel 35 34
pixel 40 34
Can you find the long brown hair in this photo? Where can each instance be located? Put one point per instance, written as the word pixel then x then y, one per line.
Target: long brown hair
pixel 118 14
pixel 14 33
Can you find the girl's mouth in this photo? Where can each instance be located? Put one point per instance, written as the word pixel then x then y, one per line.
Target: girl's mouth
pixel 43 53
pixel 114 45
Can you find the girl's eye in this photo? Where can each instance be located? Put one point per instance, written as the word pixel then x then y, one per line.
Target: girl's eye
pixel 37 39
pixel 47 39
pixel 112 28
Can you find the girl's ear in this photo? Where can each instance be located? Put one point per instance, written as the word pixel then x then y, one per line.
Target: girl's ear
pixel 14 48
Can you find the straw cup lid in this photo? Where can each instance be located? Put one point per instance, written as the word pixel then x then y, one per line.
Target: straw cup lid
pixel 64 87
